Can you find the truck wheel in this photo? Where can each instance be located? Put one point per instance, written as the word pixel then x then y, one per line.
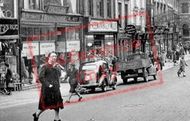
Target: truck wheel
pixel 135 79
pixel 145 79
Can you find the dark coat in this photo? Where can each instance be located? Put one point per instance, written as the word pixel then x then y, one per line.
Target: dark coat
pixel 50 98
pixel 8 75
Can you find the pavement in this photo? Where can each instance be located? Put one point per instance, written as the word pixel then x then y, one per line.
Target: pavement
pixel 32 95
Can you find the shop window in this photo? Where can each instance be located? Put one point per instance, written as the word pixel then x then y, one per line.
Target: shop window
pixel 61 34
pixel 72 34
pixel 185 30
pixel 185 8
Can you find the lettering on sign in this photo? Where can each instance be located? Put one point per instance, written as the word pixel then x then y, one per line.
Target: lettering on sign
pixel 102 26
pixel 30 48
pixel 46 47
pixel 5 27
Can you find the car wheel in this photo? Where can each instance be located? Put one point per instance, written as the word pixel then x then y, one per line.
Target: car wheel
pixel 92 90
pixel 114 87
pixel 125 81
pixel 104 88
pixel 154 76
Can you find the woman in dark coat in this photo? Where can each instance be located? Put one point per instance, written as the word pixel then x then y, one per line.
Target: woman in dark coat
pixel 50 97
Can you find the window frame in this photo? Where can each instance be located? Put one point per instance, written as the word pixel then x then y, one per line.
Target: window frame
pixel 184 8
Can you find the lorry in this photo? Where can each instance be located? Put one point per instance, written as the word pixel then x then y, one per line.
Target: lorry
pixel 136 65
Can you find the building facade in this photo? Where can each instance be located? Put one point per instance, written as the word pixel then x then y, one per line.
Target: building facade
pixel 100 28
pixel 184 20
pixel 51 25
pixel 132 13
pixel 9 42
pixel 165 20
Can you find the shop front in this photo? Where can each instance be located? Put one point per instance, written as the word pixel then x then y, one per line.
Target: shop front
pixel 43 33
pixel 68 43
pixel 100 39
pixel 9 52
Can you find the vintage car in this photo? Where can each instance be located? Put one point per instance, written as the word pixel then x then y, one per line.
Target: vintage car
pixel 97 74
pixel 136 65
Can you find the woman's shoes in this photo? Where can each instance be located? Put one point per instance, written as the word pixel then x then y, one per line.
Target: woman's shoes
pixel 35 117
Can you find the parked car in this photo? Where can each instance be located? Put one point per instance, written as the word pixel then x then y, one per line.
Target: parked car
pixel 97 74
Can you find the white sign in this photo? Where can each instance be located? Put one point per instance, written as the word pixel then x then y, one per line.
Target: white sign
pixel 102 26
pixel 60 47
pixel 30 49
pixel 47 47
pixel 73 46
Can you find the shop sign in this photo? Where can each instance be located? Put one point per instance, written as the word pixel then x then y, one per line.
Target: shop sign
pixel 130 29
pixel 102 26
pixel 47 47
pixel 30 49
pixel 60 47
pixel 8 27
pixel 73 46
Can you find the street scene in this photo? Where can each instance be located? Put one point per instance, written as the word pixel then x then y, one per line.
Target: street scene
pixel 94 60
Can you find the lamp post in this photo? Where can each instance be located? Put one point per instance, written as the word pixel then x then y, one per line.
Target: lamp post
pixel 19 39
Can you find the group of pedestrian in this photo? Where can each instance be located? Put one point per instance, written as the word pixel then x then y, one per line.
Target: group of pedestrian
pixel 179 54
pixel 182 65
pixel 178 51
pixel 50 97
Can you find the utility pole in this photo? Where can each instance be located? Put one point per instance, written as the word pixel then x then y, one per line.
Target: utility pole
pixel 19 39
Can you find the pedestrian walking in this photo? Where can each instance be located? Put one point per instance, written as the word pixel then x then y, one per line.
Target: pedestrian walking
pixel 73 74
pixel 50 97
pixel 182 65
pixel 175 57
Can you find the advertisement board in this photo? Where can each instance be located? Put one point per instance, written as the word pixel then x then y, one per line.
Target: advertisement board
pixel 8 28
pixel 47 47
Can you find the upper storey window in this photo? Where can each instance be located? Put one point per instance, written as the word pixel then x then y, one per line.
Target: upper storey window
pixel 185 8
pixel 32 4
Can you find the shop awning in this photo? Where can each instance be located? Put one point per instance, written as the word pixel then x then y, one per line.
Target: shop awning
pixel 9 37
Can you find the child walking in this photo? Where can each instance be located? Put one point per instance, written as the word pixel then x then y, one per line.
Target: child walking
pixel 182 65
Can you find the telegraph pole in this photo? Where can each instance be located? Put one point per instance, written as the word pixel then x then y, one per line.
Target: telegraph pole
pixel 19 39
